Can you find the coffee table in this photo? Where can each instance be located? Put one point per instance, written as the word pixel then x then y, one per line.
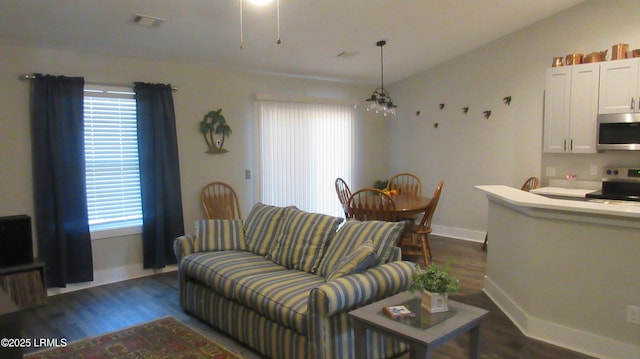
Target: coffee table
pixel 424 332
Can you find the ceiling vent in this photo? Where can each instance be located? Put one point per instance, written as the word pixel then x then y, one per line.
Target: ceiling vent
pixel 148 21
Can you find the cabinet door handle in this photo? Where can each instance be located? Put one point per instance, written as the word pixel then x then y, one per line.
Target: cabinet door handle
pixel 571 147
pixel 564 145
pixel 633 104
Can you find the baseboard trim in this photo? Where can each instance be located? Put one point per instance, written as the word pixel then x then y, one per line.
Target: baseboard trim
pixel 458 233
pixel 556 334
pixel 112 275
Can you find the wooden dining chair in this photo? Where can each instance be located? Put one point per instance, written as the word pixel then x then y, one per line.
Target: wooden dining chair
pixel 406 184
pixel 371 204
pixel 343 191
pixel 220 201
pixel 415 238
pixel 528 185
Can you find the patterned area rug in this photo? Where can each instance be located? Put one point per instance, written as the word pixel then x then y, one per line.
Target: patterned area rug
pixel 164 338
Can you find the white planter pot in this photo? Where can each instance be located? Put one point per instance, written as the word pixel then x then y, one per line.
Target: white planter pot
pixel 434 302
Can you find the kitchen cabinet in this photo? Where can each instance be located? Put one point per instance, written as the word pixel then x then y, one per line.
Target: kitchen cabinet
pixel 571 109
pixel 619 86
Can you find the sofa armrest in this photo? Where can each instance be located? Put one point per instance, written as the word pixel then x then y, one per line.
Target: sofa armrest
pixel 182 247
pixel 330 334
pixel 353 291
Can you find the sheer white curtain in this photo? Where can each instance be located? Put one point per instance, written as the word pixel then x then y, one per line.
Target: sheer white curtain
pixel 301 149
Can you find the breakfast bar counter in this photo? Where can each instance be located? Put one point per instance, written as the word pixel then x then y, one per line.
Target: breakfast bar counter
pixel 565 271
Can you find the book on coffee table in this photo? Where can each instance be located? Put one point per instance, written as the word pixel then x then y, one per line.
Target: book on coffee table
pixel 398 311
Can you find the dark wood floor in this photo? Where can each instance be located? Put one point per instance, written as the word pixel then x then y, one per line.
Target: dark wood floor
pixel 100 310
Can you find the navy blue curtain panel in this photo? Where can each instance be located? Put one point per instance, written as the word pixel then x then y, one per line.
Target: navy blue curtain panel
pixel 62 223
pixel 159 174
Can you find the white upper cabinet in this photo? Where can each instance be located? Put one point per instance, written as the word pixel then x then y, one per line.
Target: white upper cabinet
pixel 619 86
pixel 571 109
pixel 556 109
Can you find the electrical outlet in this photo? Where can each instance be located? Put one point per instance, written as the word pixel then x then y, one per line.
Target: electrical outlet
pixel 593 170
pixel 633 314
pixel 247 174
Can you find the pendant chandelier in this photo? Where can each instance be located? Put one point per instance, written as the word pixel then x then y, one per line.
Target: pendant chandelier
pixel 380 101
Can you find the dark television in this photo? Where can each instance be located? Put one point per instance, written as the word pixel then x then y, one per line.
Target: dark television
pixel 15 240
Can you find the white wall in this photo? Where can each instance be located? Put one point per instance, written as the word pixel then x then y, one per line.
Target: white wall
pixel 201 89
pixel 467 150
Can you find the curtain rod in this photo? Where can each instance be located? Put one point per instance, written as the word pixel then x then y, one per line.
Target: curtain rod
pixel 31 77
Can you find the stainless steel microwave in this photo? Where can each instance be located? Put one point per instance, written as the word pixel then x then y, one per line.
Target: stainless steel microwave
pixel 619 132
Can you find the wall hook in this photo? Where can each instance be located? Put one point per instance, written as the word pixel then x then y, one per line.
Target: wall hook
pixel 487 114
pixel 441 106
pixel 507 100
pixel 435 125
pixel 465 109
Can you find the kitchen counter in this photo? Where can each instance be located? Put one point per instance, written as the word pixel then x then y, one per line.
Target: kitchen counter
pixel 536 205
pixel 562 192
pixel 564 271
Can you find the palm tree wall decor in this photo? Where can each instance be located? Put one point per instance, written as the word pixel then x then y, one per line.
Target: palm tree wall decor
pixel 214 129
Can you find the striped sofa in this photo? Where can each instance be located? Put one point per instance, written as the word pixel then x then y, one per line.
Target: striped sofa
pixel 283 281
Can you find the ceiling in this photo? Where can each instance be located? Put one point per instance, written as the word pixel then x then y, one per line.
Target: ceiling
pixel 420 33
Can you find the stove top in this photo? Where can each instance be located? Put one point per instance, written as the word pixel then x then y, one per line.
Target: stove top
pixel 620 184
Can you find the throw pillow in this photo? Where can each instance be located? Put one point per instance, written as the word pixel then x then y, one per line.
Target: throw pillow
pixel 262 226
pixel 303 238
pixel 219 235
pixel 353 234
pixel 358 261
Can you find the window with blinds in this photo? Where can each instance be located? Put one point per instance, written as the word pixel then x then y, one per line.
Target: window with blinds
pixel 302 149
pixel 111 159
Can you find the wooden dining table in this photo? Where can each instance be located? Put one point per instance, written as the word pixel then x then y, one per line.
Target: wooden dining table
pixel 410 206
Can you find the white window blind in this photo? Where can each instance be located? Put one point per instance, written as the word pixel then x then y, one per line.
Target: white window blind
pixel 111 159
pixel 302 149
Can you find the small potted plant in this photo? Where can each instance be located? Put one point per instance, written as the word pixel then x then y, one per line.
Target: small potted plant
pixel 435 283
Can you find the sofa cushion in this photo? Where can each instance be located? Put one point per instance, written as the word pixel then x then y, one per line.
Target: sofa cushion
pixel 357 261
pixel 281 296
pixel 353 234
pixel 219 235
pixel 220 269
pixel 261 227
pixel 301 242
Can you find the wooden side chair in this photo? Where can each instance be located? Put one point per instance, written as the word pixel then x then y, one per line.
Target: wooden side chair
pixel 415 238
pixel 343 191
pixel 220 201
pixel 370 204
pixel 406 184
pixel 528 185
